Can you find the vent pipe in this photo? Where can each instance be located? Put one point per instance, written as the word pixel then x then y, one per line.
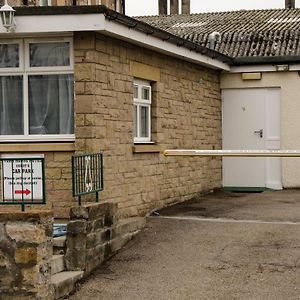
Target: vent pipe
pixel 289 3
pixel 213 38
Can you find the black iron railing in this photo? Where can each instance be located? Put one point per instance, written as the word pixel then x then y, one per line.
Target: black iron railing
pixel 87 170
pixel 22 181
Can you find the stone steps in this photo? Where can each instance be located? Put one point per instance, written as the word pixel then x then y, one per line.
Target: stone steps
pixel 57 264
pixel 59 245
pixel 65 282
pixel 109 239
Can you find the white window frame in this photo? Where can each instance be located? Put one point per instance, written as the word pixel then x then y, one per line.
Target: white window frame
pixel 53 68
pixel 21 57
pixel 139 102
pixel 25 70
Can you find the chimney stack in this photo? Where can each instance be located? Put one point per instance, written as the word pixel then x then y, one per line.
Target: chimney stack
pixel 186 7
pixel 174 7
pixel 163 7
pixel 117 5
pixel 289 3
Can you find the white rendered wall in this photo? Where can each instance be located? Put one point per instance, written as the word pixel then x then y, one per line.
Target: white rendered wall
pixel 289 83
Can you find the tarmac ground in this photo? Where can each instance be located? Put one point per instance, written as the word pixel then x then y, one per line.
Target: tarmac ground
pixel 217 246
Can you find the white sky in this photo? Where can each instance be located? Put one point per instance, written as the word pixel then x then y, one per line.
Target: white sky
pixel 150 7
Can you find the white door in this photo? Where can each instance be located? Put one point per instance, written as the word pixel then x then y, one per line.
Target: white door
pixel 251 120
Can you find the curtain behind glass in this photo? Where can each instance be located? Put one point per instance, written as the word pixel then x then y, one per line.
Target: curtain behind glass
pixel 9 55
pixel 11 105
pixel 49 54
pixel 51 104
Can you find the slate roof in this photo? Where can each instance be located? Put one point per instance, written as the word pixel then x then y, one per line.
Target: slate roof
pixel 124 20
pixel 244 34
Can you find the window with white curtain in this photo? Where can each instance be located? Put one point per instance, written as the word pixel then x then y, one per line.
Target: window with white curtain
pixel 36 90
pixel 142 111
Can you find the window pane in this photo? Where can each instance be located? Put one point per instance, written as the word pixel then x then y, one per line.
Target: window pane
pixel 11 105
pixel 51 104
pixel 135 91
pixel 144 121
pixel 135 121
pixel 9 55
pixel 49 54
pixel 145 93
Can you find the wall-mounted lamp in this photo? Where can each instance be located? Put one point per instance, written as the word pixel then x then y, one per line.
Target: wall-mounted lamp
pixel 282 68
pixel 8 17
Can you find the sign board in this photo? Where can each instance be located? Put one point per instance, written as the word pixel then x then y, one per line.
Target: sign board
pixel 22 178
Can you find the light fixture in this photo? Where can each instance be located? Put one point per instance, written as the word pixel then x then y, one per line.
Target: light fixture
pixel 282 68
pixel 7 17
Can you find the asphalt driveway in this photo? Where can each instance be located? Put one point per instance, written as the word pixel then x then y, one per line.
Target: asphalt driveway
pixel 218 246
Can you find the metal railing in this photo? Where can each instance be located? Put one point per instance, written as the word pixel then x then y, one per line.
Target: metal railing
pixel 22 181
pixel 87 171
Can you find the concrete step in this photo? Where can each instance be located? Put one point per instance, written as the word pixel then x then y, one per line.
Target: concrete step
pixel 59 244
pixel 130 225
pixel 125 230
pixel 64 282
pixel 57 264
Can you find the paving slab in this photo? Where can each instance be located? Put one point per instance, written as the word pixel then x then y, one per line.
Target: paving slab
pixel 193 255
pixel 267 206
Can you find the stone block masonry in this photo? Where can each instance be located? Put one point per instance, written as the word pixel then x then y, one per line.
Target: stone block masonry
pixel 186 113
pixel 25 255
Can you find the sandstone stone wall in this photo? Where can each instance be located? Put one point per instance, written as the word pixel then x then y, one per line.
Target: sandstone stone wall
pixel 93 235
pixel 186 113
pixel 25 255
pixel 58 172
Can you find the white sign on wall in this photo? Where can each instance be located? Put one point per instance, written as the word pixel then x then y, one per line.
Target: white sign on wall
pixel 22 179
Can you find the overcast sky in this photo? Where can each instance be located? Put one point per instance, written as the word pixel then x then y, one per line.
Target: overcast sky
pixel 150 7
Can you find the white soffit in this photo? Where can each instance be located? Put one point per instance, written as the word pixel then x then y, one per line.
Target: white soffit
pixel 52 24
pixel 39 24
pixel 261 68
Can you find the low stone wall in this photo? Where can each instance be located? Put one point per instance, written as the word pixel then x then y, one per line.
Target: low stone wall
pixel 94 234
pixel 25 255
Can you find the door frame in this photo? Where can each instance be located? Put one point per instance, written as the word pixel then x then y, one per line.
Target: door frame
pixel 272 142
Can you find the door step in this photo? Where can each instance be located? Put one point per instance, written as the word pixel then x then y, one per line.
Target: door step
pixel 57 264
pixel 245 189
pixel 64 282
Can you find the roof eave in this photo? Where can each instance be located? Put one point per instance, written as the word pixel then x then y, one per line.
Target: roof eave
pixel 129 23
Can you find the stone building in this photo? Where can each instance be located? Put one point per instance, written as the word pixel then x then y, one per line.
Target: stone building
pixel 86 79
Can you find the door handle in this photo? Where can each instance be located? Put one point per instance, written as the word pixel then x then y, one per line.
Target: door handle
pixel 260 132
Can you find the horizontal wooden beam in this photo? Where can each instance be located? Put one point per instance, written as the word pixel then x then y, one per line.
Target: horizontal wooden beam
pixel 234 153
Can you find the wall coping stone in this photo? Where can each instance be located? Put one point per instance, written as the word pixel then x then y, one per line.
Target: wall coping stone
pixel 25 216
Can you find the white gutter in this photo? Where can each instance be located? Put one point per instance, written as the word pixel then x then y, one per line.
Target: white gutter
pixel 51 24
pixel 154 43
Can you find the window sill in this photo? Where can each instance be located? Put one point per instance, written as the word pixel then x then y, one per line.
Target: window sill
pixel 37 147
pixel 150 148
